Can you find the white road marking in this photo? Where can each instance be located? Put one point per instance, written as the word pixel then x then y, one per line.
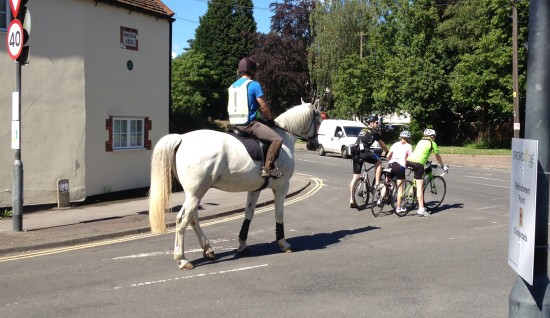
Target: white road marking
pixel 192 276
pixel 325 163
pixel 490 207
pixel 142 255
pixel 490 185
pixel 485 178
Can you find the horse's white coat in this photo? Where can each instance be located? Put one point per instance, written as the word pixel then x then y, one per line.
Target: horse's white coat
pixel 207 159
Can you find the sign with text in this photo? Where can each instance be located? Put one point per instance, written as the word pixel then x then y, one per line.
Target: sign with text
pixel 14 39
pixel 128 38
pixel 523 198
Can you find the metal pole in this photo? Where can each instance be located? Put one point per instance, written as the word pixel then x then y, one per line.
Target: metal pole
pixel 17 194
pixel 517 125
pixel 526 300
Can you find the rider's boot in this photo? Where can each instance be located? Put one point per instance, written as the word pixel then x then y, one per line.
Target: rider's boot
pixel 268 170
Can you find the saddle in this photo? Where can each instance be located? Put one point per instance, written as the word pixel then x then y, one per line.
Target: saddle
pixel 256 148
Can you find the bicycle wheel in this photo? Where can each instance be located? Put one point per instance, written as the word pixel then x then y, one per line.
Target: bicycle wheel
pixel 379 201
pixel 434 192
pixel 361 193
pixel 408 200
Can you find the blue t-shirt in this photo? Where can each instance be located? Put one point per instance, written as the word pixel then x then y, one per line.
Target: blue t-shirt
pixel 254 91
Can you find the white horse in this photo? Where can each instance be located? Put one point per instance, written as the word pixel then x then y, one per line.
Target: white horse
pixel 205 159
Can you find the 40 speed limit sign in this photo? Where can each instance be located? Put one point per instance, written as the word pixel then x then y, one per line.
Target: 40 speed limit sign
pixel 14 39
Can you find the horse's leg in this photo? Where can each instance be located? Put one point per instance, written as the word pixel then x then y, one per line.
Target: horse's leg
pixel 251 200
pixel 280 195
pixel 181 225
pixel 189 208
pixel 208 252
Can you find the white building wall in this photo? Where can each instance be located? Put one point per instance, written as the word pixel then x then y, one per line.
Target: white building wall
pixel 114 90
pixel 52 114
pixel 76 79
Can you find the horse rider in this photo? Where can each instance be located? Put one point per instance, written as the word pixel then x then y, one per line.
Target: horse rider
pixel 256 108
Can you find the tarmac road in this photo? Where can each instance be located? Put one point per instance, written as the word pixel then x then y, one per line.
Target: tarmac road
pixel 64 227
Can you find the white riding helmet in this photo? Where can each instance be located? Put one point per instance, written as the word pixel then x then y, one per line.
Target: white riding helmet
pixel 405 134
pixel 429 132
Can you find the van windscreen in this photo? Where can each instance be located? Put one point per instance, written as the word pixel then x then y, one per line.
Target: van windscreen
pixel 352 131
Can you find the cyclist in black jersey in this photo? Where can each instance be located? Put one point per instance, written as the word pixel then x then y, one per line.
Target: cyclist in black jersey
pixel 365 139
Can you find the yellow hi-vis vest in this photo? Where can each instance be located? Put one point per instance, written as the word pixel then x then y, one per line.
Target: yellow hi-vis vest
pixel 237 105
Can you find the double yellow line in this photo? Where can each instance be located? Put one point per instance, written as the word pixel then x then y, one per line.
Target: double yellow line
pixel 318 183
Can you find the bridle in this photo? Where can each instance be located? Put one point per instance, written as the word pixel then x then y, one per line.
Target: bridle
pixel 305 133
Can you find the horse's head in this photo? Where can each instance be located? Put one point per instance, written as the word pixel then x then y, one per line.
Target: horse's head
pixel 302 121
pixel 315 120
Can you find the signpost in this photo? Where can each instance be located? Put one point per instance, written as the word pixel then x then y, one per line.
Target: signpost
pixel 16 38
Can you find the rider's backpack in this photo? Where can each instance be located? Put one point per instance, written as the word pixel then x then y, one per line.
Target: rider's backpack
pixel 237 105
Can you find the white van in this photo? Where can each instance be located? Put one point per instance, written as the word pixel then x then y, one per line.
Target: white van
pixel 336 135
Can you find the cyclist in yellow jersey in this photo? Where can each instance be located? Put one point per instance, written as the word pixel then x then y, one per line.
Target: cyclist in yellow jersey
pixel 418 159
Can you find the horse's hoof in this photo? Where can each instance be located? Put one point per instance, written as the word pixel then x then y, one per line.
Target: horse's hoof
pixel 288 250
pixel 244 251
pixel 187 265
pixel 210 255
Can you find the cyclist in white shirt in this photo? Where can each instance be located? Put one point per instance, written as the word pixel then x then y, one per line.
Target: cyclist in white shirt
pixel 397 156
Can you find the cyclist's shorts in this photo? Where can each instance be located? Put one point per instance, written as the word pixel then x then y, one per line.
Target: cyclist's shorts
pixel 367 156
pixel 397 170
pixel 418 169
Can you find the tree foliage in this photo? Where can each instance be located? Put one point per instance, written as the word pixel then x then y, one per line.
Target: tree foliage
pixel 446 63
pixel 282 55
pixel 192 96
pixel 224 36
pixel 337 29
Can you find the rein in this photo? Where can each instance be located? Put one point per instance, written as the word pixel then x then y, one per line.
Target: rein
pixel 313 124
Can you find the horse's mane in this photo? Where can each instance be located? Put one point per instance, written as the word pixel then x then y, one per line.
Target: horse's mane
pixel 294 119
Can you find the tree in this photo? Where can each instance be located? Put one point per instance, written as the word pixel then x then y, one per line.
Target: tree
pixel 283 70
pixel 481 79
pixel 337 29
pixel 224 36
pixel 291 19
pixel 192 94
pixel 282 55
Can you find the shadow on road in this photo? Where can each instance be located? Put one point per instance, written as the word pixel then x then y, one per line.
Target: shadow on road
pixel 299 243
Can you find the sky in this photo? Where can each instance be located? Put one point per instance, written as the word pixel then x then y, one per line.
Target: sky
pixel 187 19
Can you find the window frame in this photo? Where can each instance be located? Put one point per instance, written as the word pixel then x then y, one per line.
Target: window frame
pixel 145 133
pixel 129 133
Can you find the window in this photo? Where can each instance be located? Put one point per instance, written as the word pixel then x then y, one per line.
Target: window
pixel 5 15
pixel 128 133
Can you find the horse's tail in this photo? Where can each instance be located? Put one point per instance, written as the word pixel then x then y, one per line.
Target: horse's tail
pixel 162 165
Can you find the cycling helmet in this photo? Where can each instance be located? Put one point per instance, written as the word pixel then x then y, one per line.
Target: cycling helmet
pixel 429 132
pixel 247 65
pixel 370 119
pixel 405 134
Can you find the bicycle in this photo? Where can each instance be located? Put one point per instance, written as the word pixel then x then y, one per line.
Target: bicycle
pixel 379 201
pixel 435 189
pixel 363 188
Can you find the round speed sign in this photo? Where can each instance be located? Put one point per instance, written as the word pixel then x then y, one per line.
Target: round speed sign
pixel 14 39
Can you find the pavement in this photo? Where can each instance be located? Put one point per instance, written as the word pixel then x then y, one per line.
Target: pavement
pixel 58 227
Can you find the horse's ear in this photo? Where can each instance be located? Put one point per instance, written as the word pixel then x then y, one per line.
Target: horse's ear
pixel 302 100
pixel 316 104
